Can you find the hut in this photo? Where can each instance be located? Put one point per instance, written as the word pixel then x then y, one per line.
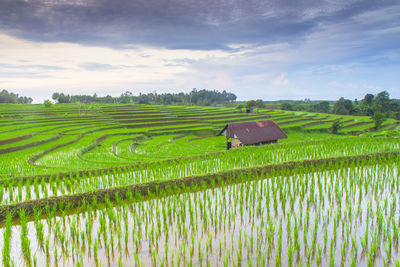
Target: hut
pixel 249 110
pixel 252 133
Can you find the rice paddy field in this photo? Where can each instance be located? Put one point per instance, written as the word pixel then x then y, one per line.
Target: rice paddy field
pixel 141 185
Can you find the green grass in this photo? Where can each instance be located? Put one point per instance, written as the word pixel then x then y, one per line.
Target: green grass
pixel 296 136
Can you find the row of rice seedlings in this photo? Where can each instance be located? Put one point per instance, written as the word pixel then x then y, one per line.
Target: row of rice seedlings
pixel 345 216
pixel 13 191
pixel 68 160
pixel 15 163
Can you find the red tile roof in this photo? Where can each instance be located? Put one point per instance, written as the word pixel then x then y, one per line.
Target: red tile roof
pixel 254 132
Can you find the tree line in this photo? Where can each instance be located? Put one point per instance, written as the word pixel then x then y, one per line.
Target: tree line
pixel 368 106
pixel 307 105
pixel 378 106
pixel 195 97
pixel 12 98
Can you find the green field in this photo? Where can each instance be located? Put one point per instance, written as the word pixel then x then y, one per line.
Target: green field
pixel 143 185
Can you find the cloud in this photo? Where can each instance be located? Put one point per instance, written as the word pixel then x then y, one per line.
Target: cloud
pixel 92 66
pixel 176 24
pixel 280 80
pixel 329 48
pixel 34 71
pixel 24 67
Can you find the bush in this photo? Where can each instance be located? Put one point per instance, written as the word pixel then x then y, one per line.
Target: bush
pixel 336 126
pixel 47 103
pixel 378 119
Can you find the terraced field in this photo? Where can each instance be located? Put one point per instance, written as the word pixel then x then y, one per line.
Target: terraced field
pixel 153 185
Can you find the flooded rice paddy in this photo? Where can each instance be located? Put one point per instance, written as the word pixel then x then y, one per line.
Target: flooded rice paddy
pixel 340 217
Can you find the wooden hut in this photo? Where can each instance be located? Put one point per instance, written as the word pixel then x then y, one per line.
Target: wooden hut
pixel 252 133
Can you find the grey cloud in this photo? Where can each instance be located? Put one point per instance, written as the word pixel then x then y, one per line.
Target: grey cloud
pixel 27 70
pixel 189 24
pixel 179 62
pixel 92 66
pixel 30 66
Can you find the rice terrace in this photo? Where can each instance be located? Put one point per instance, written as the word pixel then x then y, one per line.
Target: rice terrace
pixel 153 185
pixel 149 133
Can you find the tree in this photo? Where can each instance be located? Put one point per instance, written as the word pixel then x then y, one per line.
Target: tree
pixel 365 109
pixel 368 98
pixel 378 119
pixel 343 107
pixel 286 106
pixel 259 103
pixel 336 126
pixel 251 104
pixel 8 97
pixel 240 107
pixel 61 98
pixel 55 96
pixel 323 107
pixel 143 99
pixel 202 97
pixel 47 104
pixel 382 102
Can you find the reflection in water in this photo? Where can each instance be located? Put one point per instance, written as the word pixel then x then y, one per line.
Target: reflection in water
pixel 342 216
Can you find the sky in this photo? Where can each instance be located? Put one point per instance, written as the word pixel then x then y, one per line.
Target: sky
pixel 256 49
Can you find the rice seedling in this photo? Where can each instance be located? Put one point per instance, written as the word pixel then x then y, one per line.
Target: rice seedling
pixel 6 253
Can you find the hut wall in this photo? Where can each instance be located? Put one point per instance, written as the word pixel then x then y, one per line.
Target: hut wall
pixel 236 142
